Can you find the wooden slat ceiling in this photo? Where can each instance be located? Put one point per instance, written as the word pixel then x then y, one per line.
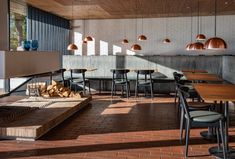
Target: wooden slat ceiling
pixel 106 9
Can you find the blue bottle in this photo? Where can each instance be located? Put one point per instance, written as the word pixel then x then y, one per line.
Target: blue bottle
pixel 34 45
pixel 26 45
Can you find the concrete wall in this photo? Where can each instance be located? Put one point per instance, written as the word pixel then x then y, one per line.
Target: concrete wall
pixel 109 33
pixel 229 68
pixel 4 30
pixel 166 65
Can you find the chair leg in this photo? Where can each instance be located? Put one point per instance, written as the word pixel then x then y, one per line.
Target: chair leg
pixel 222 138
pixel 129 87
pixel 218 139
pixel 127 90
pixel 187 137
pixel 151 89
pixel 112 88
pixel 84 87
pixel 175 96
pixel 181 125
pixel 89 85
pixel 136 90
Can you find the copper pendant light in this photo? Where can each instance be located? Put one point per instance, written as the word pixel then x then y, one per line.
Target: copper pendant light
pixel 190 45
pixel 142 38
pixel 136 47
pixel 197 46
pixel 125 41
pixel 199 37
pixel 87 38
pixel 72 46
pixel 215 43
pixel 166 40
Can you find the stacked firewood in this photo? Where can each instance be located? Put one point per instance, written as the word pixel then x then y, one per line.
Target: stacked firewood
pixel 57 90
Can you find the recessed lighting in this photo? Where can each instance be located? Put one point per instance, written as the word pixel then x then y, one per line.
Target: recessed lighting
pixel 226 3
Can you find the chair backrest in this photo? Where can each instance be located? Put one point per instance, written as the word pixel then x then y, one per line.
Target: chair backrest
pixel 120 74
pixel 183 94
pixel 78 71
pixel 145 73
pixel 177 76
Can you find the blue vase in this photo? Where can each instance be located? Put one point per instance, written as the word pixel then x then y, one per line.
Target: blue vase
pixel 34 45
pixel 26 45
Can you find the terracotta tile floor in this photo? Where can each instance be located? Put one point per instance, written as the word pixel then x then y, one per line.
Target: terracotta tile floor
pixel 115 129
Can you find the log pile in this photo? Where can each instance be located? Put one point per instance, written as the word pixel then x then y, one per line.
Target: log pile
pixel 56 90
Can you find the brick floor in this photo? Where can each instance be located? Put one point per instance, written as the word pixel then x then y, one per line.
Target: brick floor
pixel 115 129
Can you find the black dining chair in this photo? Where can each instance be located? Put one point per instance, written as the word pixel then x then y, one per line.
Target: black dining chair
pixel 77 80
pixel 146 82
pixel 201 118
pixel 60 73
pixel 120 79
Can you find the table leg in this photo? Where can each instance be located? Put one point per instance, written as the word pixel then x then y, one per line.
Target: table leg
pixel 230 151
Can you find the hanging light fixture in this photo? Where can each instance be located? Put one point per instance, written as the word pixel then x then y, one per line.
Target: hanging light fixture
pixel 197 45
pixel 87 38
pixel 142 37
pixel 199 37
pixel 136 47
pixel 190 45
pixel 124 41
pixel 215 43
pixel 72 46
pixel 166 40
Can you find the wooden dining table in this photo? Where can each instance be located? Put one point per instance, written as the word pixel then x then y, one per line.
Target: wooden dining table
pixel 202 77
pixel 220 93
pixel 193 71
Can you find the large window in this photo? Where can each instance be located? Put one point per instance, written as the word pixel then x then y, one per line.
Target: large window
pixel 17 23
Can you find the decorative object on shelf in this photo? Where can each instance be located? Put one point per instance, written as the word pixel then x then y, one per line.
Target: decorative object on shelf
pixel 200 36
pixel 72 46
pixel 34 45
pixel 136 47
pixel 26 45
pixel 215 43
pixel 166 40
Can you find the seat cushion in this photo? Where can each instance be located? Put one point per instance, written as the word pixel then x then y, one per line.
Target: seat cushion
pixel 144 82
pixel 199 105
pixel 120 81
pixel 205 116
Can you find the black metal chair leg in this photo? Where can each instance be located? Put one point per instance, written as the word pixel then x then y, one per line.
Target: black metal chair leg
pixel 187 137
pixel 127 90
pixel 112 89
pixel 151 89
pixel 222 139
pixel 181 124
pixel 218 139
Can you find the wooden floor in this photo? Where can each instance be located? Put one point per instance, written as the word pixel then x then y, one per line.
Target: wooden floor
pixel 115 129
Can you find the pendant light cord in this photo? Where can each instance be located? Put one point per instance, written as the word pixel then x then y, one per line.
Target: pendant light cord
pixel 191 23
pixel 136 21
pixel 198 22
pixel 166 19
pixel 215 16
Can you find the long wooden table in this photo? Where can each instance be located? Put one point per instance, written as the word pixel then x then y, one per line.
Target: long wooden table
pixel 221 93
pixel 194 71
pixel 203 77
